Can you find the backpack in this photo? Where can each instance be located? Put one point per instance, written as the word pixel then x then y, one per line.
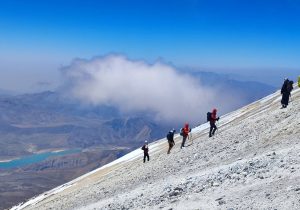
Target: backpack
pixel 169 137
pixel 208 116
pixel 289 86
pixel 181 132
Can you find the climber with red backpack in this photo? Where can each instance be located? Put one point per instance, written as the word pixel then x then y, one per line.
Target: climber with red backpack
pixel 184 132
pixel 212 118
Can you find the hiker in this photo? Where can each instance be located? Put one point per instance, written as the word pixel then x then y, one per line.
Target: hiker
pixel 286 89
pixel 170 137
pixel 285 94
pixel 184 132
pixel 212 120
pixel 146 151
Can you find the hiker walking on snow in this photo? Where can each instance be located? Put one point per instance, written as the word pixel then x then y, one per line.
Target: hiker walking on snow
pixel 212 121
pixel 184 132
pixel 286 89
pixel 170 137
pixel 146 151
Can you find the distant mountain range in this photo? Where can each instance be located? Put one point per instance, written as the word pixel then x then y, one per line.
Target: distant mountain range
pixel 6 92
pixel 34 122
pixel 250 90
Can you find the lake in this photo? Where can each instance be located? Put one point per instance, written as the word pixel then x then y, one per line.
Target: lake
pixel 27 160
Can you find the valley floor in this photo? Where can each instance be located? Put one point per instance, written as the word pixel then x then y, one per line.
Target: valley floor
pixel 253 162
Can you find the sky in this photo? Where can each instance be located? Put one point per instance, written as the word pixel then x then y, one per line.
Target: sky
pixel 248 38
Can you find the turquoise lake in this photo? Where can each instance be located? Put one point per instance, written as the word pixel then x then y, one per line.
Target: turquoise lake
pixel 24 161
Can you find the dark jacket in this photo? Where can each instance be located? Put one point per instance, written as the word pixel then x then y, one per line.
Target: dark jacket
pixel 170 136
pixel 145 148
pixel 284 88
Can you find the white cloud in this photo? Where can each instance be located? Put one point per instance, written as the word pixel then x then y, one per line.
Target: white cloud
pixel 134 85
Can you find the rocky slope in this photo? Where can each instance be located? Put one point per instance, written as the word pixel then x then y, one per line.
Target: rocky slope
pixel 253 162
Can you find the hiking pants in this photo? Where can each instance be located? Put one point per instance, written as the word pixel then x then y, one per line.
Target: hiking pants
pixel 183 141
pixel 285 98
pixel 212 129
pixel 171 144
pixel 146 155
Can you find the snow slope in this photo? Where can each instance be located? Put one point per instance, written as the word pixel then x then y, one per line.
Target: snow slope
pixel 253 162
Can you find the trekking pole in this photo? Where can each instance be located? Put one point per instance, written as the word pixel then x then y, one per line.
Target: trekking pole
pixel 217 124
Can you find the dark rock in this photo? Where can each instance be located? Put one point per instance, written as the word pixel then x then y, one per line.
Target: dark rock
pixel 178 189
pixel 174 193
pixel 199 190
pixel 221 202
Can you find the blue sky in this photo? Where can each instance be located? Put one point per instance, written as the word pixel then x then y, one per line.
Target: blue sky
pixel 244 37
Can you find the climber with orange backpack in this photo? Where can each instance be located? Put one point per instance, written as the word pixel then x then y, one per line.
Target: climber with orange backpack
pixel 184 132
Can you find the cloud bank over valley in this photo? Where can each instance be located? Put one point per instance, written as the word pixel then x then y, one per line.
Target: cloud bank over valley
pixel 137 86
